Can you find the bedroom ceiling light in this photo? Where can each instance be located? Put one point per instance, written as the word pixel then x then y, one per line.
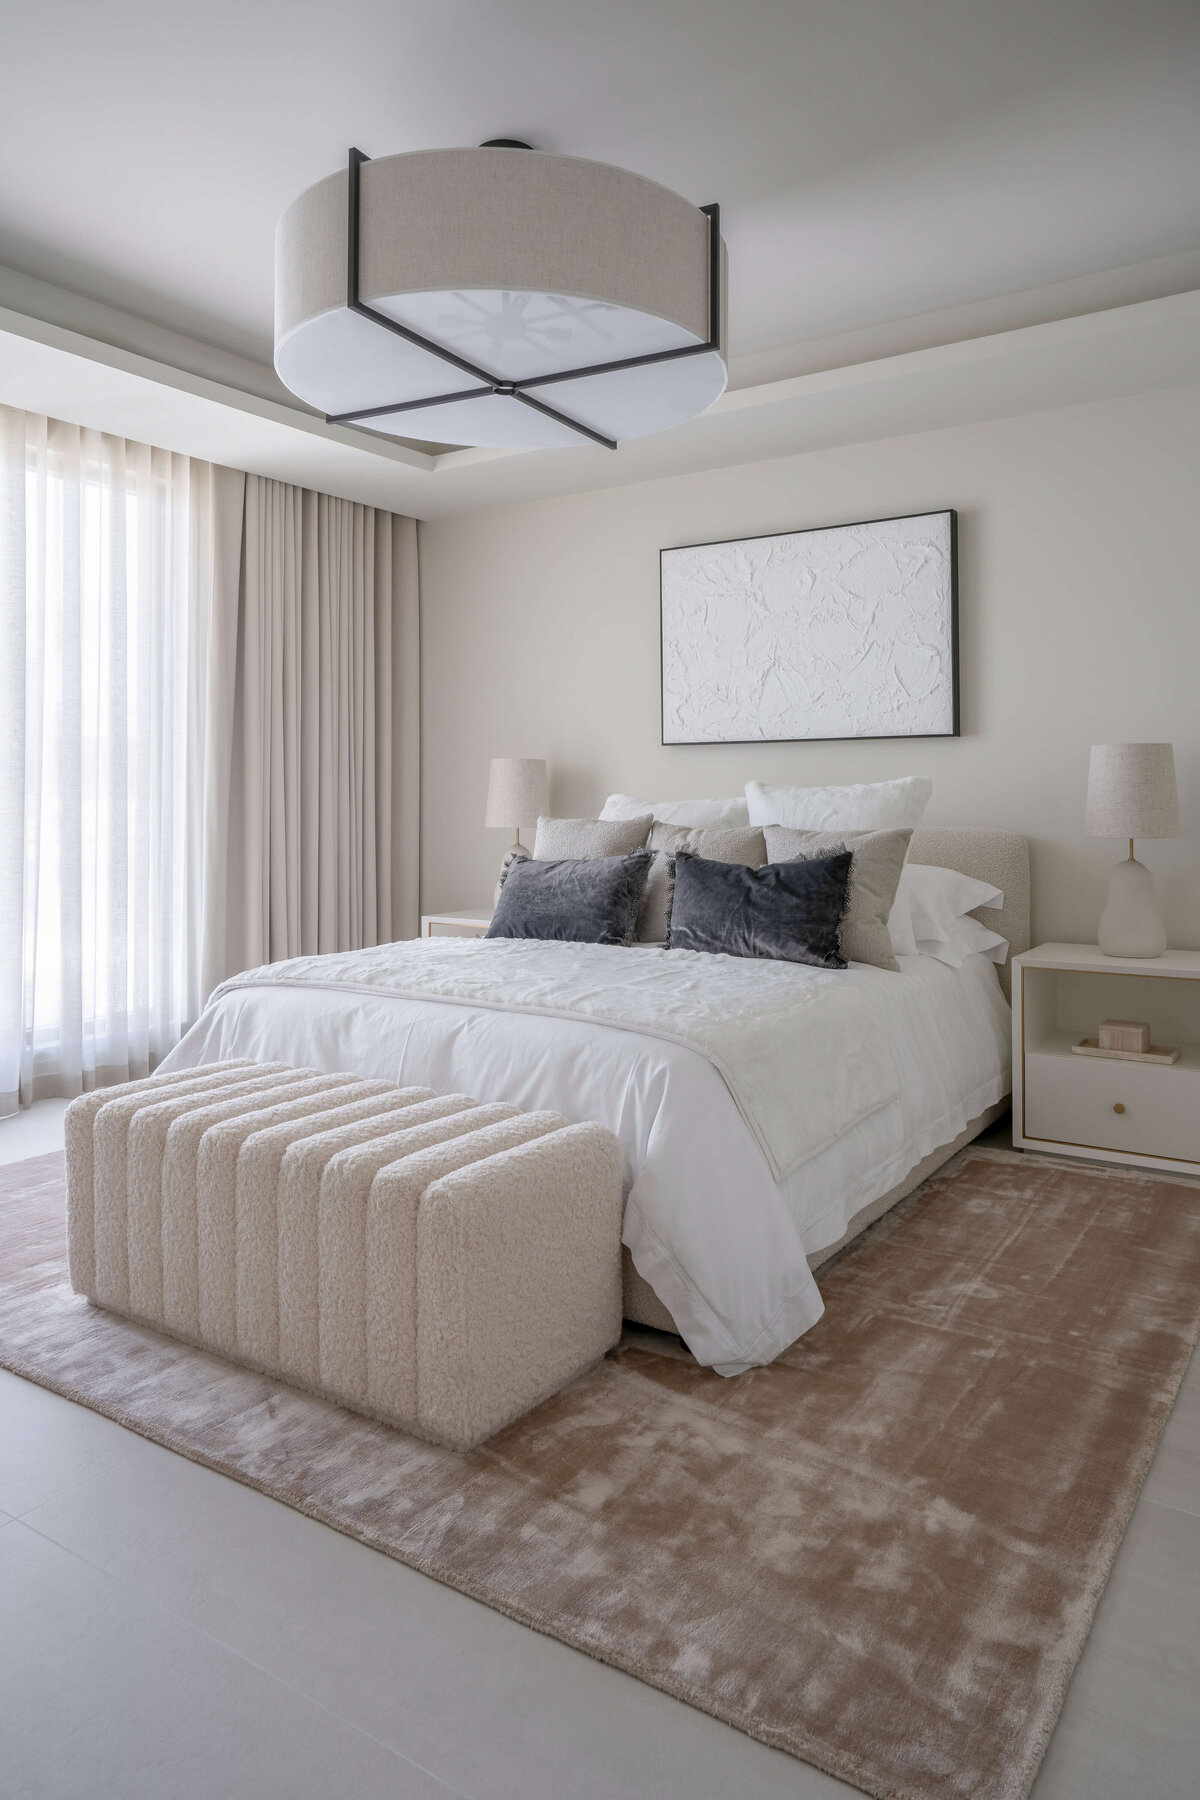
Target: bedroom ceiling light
pixel 500 296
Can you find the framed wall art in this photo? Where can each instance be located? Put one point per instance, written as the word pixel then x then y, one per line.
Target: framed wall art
pixel 846 631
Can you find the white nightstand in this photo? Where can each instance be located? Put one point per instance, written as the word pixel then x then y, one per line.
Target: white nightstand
pixel 1108 1111
pixel 456 924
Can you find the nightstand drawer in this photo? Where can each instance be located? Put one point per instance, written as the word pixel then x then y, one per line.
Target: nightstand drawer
pixel 1072 1100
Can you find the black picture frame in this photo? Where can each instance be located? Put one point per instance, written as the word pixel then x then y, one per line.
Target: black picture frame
pixel 955 731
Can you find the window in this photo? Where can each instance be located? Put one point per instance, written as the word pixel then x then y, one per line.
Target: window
pixel 101 662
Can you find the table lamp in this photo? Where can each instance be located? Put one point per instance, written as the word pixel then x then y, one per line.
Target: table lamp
pixel 518 794
pixel 1132 794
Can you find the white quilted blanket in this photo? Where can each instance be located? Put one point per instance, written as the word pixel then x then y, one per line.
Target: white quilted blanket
pixel 797 1047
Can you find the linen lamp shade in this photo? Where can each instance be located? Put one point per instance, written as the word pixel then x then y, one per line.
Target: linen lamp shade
pixel 518 791
pixel 500 295
pixel 1132 793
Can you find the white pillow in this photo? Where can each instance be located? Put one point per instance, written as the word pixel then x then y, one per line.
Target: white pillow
pixel 900 925
pixel 693 815
pixel 967 938
pixel 869 806
pixel 937 898
pixel 976 939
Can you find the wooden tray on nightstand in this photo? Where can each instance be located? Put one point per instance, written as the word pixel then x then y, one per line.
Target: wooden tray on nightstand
pixel 1157 1053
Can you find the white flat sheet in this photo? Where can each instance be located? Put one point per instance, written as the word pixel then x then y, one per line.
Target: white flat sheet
pixel 723 1245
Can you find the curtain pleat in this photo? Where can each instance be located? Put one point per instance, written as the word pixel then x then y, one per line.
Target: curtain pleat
pixel 209 742
pixel 18 629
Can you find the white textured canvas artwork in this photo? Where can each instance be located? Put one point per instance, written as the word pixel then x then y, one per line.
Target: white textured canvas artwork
pixel 839 633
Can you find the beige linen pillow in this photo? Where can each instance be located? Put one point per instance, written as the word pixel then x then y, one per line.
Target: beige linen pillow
pixel 740 844
pixel 874 878
pixel 582 839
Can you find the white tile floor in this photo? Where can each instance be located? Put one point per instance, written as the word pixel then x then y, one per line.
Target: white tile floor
pixel 166 1634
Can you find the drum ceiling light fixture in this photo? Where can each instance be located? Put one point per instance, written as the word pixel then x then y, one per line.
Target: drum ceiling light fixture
pixel 500 296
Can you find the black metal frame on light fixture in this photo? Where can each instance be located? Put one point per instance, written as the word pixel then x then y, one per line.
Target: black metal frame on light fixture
pixel 487 383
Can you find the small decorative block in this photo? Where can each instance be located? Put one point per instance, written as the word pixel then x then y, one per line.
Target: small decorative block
pixel 1125 1034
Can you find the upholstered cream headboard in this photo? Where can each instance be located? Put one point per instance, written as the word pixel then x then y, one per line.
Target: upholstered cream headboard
pixel 1000 857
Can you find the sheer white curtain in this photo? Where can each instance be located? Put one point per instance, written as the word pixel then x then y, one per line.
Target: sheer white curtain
pixel 208 742
pixel 102 659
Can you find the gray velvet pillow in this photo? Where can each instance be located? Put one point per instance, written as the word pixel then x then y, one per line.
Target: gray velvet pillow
pixel 731 844
pixel 790 911
pixel 874 876
pixel 560 839
pixel 577 900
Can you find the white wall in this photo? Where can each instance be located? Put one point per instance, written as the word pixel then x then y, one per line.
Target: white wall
pixel 1079 550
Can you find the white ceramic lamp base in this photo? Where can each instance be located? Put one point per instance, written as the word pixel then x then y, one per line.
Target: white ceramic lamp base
pixel 1130 924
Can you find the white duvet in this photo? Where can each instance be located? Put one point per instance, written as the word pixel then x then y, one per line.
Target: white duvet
pixel 759 1104
pixel 771 1029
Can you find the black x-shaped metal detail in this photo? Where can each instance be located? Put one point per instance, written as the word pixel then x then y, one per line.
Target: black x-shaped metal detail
pixel 484 381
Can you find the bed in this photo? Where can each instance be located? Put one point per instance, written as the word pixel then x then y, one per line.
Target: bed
pixel 767 1112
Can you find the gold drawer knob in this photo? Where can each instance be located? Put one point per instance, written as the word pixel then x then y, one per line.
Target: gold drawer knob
pixel 1118 1107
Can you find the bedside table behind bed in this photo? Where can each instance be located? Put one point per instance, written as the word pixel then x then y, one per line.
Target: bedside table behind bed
pixel 456 924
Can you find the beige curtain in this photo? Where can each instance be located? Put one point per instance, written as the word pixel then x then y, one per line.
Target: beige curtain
pixel 311 788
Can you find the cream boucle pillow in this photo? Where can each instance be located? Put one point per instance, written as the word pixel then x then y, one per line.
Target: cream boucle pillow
pixel 874 877
pixel 581 839
pixel 741 844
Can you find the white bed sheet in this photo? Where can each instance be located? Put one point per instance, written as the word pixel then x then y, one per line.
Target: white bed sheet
pixel 953 1040
pixel 724 1247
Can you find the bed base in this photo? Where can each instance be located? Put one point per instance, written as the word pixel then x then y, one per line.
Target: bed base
pixel 642 1305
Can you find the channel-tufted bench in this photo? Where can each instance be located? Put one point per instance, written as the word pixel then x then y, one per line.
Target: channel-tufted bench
pixel 439 1264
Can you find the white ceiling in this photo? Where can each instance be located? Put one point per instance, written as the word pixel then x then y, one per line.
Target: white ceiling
pixel 1119 350
pixel 873 158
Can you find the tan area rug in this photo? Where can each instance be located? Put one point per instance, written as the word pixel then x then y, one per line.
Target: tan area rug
pixel 882 1553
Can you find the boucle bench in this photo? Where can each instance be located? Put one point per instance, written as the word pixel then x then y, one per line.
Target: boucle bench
pixel 439 1264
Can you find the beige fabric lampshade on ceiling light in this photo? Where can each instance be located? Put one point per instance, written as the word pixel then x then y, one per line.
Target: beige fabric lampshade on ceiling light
pixel 522 266
pixel 1132 794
